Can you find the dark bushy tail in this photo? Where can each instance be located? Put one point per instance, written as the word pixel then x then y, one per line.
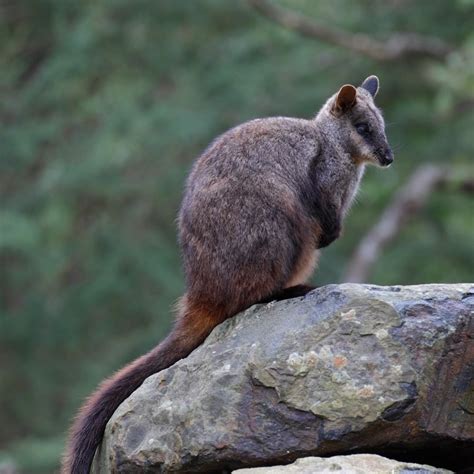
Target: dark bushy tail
pixel 193 326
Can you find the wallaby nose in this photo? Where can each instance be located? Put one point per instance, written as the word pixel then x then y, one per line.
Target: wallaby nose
pixel 387 157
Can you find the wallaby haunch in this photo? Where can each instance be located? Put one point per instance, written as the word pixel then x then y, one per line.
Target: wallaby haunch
pixel 259 203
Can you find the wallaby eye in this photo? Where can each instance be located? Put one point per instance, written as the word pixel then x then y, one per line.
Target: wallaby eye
pixel 362 128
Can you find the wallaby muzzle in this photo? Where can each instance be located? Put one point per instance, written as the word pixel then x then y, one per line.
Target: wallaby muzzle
pixel 385 157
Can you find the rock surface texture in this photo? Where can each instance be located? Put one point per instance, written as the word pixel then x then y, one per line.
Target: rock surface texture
pixel 345 369
pixel 354 464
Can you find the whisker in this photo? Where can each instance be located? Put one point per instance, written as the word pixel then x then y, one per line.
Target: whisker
pixel 398 146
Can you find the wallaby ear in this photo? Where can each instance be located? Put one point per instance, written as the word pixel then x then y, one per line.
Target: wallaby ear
pixel 346 99
pixel 371 84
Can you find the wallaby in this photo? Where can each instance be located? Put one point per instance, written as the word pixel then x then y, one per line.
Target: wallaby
pixel 259 203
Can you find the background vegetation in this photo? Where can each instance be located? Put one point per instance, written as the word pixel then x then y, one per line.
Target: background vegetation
pixel 104 105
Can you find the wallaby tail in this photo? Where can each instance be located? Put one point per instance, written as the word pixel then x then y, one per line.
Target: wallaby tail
pixel 194 324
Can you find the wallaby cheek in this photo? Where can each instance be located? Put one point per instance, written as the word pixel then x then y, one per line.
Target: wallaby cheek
pixel 362 151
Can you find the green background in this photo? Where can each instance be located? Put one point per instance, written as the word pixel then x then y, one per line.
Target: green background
pixel 104 105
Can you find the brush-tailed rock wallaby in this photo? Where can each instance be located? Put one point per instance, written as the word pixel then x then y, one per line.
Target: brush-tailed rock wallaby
pixel 259 203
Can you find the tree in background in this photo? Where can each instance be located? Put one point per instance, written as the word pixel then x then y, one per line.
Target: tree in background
pixel 104 106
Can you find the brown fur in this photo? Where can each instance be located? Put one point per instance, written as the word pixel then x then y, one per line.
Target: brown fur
pixel 196 320
pixel 259 202
pixel 304 267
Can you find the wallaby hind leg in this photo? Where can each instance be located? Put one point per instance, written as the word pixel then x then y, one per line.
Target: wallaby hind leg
pixel 288 293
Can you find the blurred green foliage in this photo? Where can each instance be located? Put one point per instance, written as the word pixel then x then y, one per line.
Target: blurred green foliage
pixel 104 105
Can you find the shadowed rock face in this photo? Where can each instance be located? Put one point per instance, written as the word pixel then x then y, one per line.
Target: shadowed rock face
pixel 348 368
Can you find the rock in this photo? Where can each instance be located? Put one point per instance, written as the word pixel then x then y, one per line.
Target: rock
pixel 346 369
pixel 354 464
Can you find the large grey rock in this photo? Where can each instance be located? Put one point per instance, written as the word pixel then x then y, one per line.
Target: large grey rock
pixel 354 464
pixel 348 368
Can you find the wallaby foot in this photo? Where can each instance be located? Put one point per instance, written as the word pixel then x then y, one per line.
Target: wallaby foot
pixel 287 293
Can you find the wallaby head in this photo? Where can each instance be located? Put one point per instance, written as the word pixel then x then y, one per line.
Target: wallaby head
pixel 352 117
